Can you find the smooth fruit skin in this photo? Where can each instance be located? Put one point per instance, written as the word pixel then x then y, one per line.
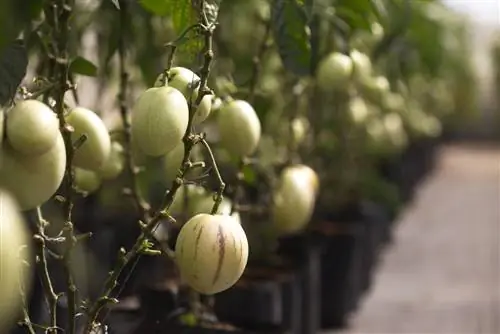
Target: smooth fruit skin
pixel 172 161
pixel 293 201
pixel 33 180
pixel 311 178
pixel 205 205
pixel 334 72
pixel 362 65
pixel 94 152
pixel 32 127
pixel 86 181
pixel 211 253
pixel 194 194
pixel 375 89
pixel 358 110
pixel 204 109
pixel 184 80
pixel 14 274
pixel 239 128
pixel 115 163
pixel 159 120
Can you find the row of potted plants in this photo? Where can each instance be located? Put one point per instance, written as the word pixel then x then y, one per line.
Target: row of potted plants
pixel 249 177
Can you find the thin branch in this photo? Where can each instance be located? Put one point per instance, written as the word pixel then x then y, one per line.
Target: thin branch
pixel 42 266
pixel 130 168
pixel 189 139
pixel 60 25
pixel 222 185
pixel 257 62
pixel 26 317
pixel 256 70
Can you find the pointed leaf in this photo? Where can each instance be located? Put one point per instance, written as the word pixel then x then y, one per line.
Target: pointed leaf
pixel 13 64
pixel 82 66
pixel 183 15
pixel 159 7
pixel 289 24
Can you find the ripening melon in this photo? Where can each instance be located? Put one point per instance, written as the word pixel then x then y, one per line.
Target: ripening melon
pixel 211 253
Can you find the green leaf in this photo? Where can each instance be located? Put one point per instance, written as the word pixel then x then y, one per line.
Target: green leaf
pixel 82 66
pixel 355 20
pixel 116 3
pixel 159 7
pixel 13 64
pixel 289 24
pixel 16 16
pixel 249 175
pixel 183 15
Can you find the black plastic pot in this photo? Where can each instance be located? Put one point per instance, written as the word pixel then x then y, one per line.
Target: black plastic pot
pixel 178 329
pixel 341 262
pixel 265 299
pixel 305 251
pixel 378 226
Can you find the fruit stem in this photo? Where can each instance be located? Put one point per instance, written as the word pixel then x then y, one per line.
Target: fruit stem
pixel 222 185
pixel 130 169
pixel 256 70
pixel 189 139
pixel 43 269
pixel 59 13
pixel 238 191
pixel 294 110
pixel 257 61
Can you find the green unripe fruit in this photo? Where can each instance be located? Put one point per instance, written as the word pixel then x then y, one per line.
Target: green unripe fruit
pixel 32 127
pixel 33 180
pixel 194 194
pixel 182 79
pixel 115 163
pixel 239 128
pixel 172 162
pixel 159 120
pixel 204 109
pixel 334 72
pixel 362 65
pixel 15 251
pixel 86 181
pixel 94 152
pixel 294 199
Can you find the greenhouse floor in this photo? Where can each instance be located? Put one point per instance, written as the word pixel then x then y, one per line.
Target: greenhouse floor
pixel 442 273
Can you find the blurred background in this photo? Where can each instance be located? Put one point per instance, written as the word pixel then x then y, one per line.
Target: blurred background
pixel 403 235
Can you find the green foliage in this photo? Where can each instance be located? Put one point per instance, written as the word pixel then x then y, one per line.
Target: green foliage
pixel 15 17
pixel 13 63
pixel 289 22
pixel 80 65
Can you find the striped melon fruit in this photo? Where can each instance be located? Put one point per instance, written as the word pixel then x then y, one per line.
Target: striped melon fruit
pixel 211 252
